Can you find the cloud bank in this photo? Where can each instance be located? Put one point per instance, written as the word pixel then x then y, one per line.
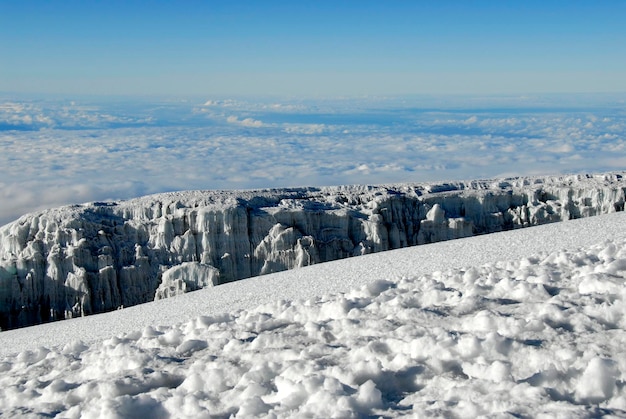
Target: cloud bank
pixel 57 153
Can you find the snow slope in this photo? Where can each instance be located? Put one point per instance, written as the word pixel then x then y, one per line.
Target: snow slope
pixel 513 324
pixel 91 258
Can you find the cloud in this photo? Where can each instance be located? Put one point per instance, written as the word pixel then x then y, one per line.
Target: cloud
pixel 226 103
pixel 89 153
pixel 25 115
pixel 285 107
pixel 37 116
pixel 561 148
pixel 247 122
pixel 305 128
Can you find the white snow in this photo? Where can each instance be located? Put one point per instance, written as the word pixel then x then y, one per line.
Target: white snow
pixel 528 322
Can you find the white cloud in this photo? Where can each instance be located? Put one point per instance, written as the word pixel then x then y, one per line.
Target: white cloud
pixel 93 161
pixel 35 115
pixel 247 122
pixel 226 103
pixel 561 148
pixel 305 128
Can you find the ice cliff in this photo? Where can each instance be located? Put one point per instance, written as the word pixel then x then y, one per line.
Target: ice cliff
pixel 90 258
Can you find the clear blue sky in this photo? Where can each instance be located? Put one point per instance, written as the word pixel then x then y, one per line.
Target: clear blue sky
pixel 312 47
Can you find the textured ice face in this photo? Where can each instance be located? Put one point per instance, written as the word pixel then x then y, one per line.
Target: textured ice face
pixel 97 257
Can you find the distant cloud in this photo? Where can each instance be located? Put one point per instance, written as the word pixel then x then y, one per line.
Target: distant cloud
pixel 225 103
pixel 305 128
pixel 562 148
pixel 23 115
pixel 285 107
pixel 246 122
pixel 105 151
pixel 60 115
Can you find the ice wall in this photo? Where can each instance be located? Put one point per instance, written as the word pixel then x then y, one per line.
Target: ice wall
pixel 91 258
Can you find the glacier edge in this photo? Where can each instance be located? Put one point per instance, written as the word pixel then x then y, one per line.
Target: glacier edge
pixel 96 257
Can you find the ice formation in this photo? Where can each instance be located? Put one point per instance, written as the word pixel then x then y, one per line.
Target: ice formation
pixel 97 257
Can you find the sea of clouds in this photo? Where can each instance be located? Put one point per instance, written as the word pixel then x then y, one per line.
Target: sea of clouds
pixel 63 151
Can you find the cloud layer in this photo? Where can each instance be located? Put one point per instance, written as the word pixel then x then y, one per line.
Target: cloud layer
pixel 57 153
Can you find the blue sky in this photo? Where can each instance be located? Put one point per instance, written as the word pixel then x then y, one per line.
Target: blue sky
pixel 322 48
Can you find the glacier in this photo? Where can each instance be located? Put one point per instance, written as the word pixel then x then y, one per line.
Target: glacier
pixel 101 256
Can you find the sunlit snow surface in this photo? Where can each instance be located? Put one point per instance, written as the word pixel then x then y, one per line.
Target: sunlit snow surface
pixel 71 150
pixel 514 324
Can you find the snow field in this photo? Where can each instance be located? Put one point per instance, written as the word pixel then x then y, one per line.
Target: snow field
pixel 542 335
